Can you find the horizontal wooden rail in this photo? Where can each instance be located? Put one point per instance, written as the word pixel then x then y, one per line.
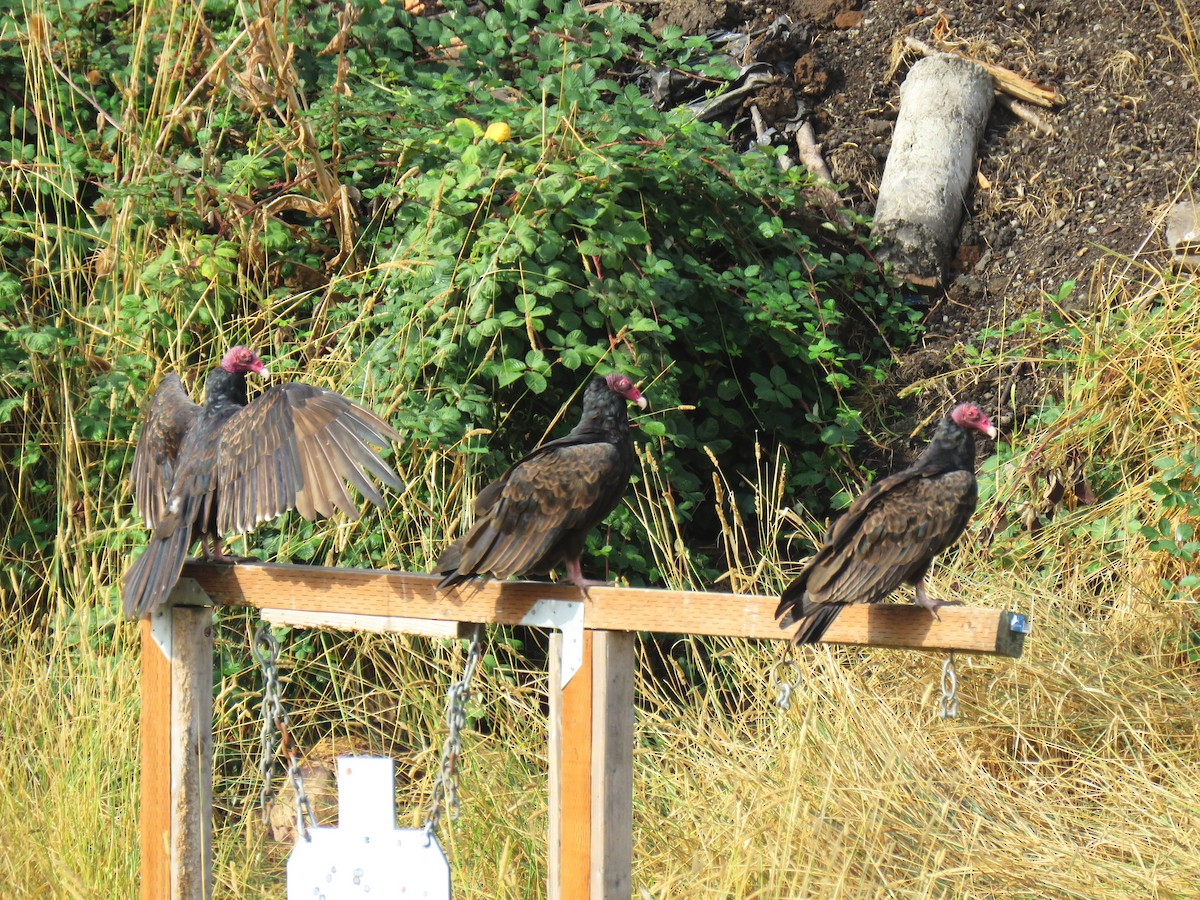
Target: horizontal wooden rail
pixel 316 591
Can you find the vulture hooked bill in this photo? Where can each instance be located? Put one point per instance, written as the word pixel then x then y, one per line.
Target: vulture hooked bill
pixel 892 531
pixel 538 513
pixel 200 472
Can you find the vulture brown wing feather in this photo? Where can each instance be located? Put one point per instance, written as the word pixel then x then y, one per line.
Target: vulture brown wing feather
pixel 360 437
pixel 904 529
pixel 165 421
pixel 862 505
pixel 296 446
pixel 331 475
pixel 344 446
pixel 523 515
pixel 359 453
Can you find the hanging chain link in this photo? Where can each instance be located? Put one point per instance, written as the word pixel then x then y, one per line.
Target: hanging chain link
pixel 785 686
pixel 275 734
pixel 949 703
pixel 445 783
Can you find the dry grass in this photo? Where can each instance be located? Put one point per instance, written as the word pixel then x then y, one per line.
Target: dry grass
pixel 1074 772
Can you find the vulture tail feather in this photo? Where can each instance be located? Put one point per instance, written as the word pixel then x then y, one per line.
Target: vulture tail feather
pixel 154 573
pixel 814 625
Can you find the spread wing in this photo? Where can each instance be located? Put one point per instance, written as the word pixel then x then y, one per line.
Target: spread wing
pixel 298 446
pixel 553 496
pixel 165 421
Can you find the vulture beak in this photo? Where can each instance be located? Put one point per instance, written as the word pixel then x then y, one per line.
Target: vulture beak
pixel 990 431
pixel 641 402
pixel 259 369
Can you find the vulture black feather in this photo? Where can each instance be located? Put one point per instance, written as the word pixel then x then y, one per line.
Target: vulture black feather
pixel 538 513
pixel 891 533
pixel 200 472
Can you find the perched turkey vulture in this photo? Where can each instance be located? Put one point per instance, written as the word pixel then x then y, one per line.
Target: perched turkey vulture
pixel 892 532
pixel 538 513
pixel 200 472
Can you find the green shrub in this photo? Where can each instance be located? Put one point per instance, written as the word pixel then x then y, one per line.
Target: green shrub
pixel 484 280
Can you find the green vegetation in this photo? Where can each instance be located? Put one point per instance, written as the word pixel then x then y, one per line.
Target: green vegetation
pixel 319 185
pixel 178 178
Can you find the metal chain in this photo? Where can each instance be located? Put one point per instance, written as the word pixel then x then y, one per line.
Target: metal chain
pixel 949 704
pixel 784 686
pixel 275 724
pixel 445 783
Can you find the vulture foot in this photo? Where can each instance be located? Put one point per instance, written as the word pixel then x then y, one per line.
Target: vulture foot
pixel 575 575
pixel 932 603
pixel 217 553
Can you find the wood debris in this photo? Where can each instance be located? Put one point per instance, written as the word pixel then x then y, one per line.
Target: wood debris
pixel 1004 80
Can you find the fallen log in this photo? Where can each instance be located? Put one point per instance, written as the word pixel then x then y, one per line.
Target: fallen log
pixel 944 106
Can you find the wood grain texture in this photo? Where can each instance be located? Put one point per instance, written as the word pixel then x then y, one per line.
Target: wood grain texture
pixel 433 628
pixel 614 668
pixel 155 822
pixel 317 589
pixel 570 749
pixel 191 753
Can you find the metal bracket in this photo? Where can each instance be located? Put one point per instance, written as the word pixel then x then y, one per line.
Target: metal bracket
pixel 187 592
pixel 567 617
pixel 1019 623
pixel 161 630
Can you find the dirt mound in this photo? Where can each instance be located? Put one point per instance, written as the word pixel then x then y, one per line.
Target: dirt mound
pixel 1050 202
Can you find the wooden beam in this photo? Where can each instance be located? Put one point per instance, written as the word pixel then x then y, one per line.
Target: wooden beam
pixel 318 589
pixel 296 618
pixel 613 670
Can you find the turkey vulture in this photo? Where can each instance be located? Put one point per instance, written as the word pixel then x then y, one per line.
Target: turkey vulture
pixel 538 513
pixel 892 532
pixel 200 472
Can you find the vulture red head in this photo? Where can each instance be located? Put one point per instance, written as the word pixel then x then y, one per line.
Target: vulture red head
pixel 240 360
pixel 202 472
pixel 892 531
pixel 971 417
pixel 621 385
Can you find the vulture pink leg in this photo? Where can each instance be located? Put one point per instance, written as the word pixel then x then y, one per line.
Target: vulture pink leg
pixel 575 575
pixel 930 603
pixel 215 553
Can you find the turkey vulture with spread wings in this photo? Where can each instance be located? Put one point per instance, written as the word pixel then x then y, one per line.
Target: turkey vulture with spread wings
pixel 892 532
pixel 200 472
pixel 538 513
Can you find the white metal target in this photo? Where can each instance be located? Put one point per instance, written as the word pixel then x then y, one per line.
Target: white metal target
pixel 366 856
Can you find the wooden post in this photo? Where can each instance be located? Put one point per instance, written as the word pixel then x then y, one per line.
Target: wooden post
pixel 570 774
pixel 591 770
pixel 176 819
pixel 613 670
pixel 156 767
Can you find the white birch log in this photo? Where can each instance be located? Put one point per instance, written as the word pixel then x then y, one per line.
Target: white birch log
pixel 944 106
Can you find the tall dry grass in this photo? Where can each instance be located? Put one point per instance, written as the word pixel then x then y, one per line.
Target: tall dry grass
pixel 1073 772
